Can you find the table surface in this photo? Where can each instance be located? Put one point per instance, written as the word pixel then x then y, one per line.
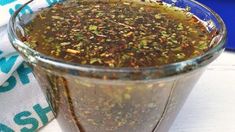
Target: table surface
pixel 211 105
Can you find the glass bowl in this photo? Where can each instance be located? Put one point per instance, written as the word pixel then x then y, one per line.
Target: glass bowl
pixel 92 98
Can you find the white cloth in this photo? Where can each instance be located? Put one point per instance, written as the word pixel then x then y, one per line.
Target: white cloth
pixel 22 104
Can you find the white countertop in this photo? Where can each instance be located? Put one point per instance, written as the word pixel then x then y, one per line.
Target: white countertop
pixel 211 105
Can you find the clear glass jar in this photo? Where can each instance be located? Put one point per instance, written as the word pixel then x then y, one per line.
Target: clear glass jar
pixel 93 98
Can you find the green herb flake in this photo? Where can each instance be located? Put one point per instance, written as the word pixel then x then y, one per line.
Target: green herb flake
pixel 180 27
pixel 79 37
pixel 92 28
pixel 143 42
pixel 94 60
pixel 202 45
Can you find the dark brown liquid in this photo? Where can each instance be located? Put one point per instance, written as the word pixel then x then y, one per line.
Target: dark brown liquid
pixel 117 34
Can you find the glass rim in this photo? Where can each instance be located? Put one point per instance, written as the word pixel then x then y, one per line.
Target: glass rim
pixel 179 66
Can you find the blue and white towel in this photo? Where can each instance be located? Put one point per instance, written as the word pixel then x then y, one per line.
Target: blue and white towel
pixel 22 104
